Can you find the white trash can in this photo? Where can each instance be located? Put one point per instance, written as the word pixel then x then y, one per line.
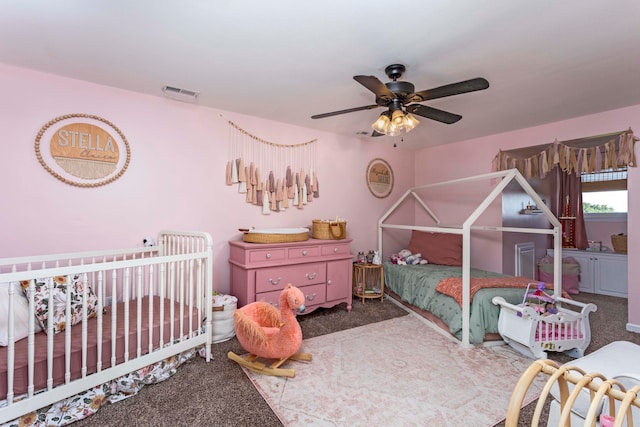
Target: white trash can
pixel 223 308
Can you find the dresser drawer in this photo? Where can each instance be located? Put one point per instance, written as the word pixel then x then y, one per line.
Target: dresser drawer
pixel 267 255
pixel 337 249
pixel 313 295
pixel 302 253
pixel 275 278
pixel 272 297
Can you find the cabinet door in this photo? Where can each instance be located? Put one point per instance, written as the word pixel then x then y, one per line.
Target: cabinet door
pixel 587 278
pixel 339 279
pixel 611 276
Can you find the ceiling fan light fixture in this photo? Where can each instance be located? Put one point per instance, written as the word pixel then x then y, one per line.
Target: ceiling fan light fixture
pixel 409 122
pixel 382 124
pixel 394 130
pixel 397 117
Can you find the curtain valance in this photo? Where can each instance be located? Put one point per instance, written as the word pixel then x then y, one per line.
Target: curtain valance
pixel 591 154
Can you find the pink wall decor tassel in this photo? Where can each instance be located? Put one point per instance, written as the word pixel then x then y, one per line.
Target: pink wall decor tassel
pixel 265 202
pixel 228 174
pixel 285 197
pixel 234 172
pixel 249 189
pixel 307 187
pixel 252 174
pixel 316 186
pixel 242 175
pixel 279 195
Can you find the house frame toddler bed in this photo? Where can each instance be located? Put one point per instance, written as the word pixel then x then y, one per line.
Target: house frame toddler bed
pixel 503 179
pixel 72 322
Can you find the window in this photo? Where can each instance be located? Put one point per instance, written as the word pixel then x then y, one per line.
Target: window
pixel 605 193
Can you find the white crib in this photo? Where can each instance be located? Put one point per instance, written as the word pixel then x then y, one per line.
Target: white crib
pixel 532 333
pixel 120 311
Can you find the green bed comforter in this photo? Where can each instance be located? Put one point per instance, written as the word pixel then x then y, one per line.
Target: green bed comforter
pixel 416 284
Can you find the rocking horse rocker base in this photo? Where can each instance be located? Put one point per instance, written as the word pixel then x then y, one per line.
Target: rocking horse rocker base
pixel 251 363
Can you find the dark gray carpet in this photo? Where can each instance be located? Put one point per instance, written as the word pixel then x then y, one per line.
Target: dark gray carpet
pixel 219 393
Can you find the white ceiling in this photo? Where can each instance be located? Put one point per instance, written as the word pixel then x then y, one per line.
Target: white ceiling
pixel 287 60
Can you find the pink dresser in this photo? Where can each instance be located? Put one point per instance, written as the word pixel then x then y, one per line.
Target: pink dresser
pixel 322 269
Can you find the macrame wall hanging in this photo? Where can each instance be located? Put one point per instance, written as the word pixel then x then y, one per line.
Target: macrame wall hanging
pixel 269 175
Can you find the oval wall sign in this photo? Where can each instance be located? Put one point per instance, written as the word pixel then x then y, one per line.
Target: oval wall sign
pixel 83 150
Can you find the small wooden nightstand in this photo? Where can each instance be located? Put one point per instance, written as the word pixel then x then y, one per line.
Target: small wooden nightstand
pixel 368 281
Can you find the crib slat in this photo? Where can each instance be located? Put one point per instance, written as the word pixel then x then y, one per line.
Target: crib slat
pixel 114 316
pixel 138 296
pixel 85 301
pixel 50 343
pixel 67 332
pixel 163 284
pixel 172 299
pixel 11 346
pixel 181 301
pixel 190 294
pixel 31 346
pixel 100 289
pixel 151 295
pixel 126 295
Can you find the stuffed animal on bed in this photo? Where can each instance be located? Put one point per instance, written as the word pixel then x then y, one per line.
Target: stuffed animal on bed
pixel 415 259
pixel 405 257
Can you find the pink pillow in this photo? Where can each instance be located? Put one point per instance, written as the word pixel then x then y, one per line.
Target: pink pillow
pixel 437 248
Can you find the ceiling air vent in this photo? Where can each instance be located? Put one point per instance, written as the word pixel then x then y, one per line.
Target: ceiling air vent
pixel 180 94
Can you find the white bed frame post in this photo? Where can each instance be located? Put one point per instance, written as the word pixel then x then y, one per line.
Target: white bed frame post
pixel 505 178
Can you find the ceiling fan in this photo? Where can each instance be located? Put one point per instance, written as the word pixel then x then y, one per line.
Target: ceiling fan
pixel 398 97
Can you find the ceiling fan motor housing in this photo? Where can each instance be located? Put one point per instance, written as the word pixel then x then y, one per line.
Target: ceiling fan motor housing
pixel 401 88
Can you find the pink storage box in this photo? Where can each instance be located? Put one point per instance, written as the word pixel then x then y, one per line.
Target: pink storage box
pixel 570 273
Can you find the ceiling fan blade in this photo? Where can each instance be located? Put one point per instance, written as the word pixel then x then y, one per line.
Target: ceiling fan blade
pixel 349 110
pixel 375 133
pixel 376 86
pixel 450 90
pixel 433 113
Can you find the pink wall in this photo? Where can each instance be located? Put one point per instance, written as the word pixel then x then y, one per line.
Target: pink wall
pixel 602 231
pixel 176 179
pixel 176 176
pixel 474 156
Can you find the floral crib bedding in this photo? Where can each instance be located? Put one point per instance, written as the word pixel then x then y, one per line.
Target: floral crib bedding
pixel 87 403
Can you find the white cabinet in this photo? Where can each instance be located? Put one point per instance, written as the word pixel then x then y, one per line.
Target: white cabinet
pixel 600 272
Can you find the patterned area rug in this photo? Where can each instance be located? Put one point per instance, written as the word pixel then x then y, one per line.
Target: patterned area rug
pixel 398 372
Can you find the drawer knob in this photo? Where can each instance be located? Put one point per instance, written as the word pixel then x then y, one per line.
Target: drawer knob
pixel 335 250
pixel 311 297
pixel 304 253
pixel 311 276
pixel 328 282
pixel 275 282
pixel 268 255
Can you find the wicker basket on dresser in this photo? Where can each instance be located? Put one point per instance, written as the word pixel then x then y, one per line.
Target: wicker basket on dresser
pixel 322 269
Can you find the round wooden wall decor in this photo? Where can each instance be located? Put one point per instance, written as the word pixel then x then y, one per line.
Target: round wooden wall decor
pixel 83 150
pixel 379 178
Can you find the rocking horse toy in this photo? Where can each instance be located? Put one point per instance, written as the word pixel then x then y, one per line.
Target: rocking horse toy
pixel 270 333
